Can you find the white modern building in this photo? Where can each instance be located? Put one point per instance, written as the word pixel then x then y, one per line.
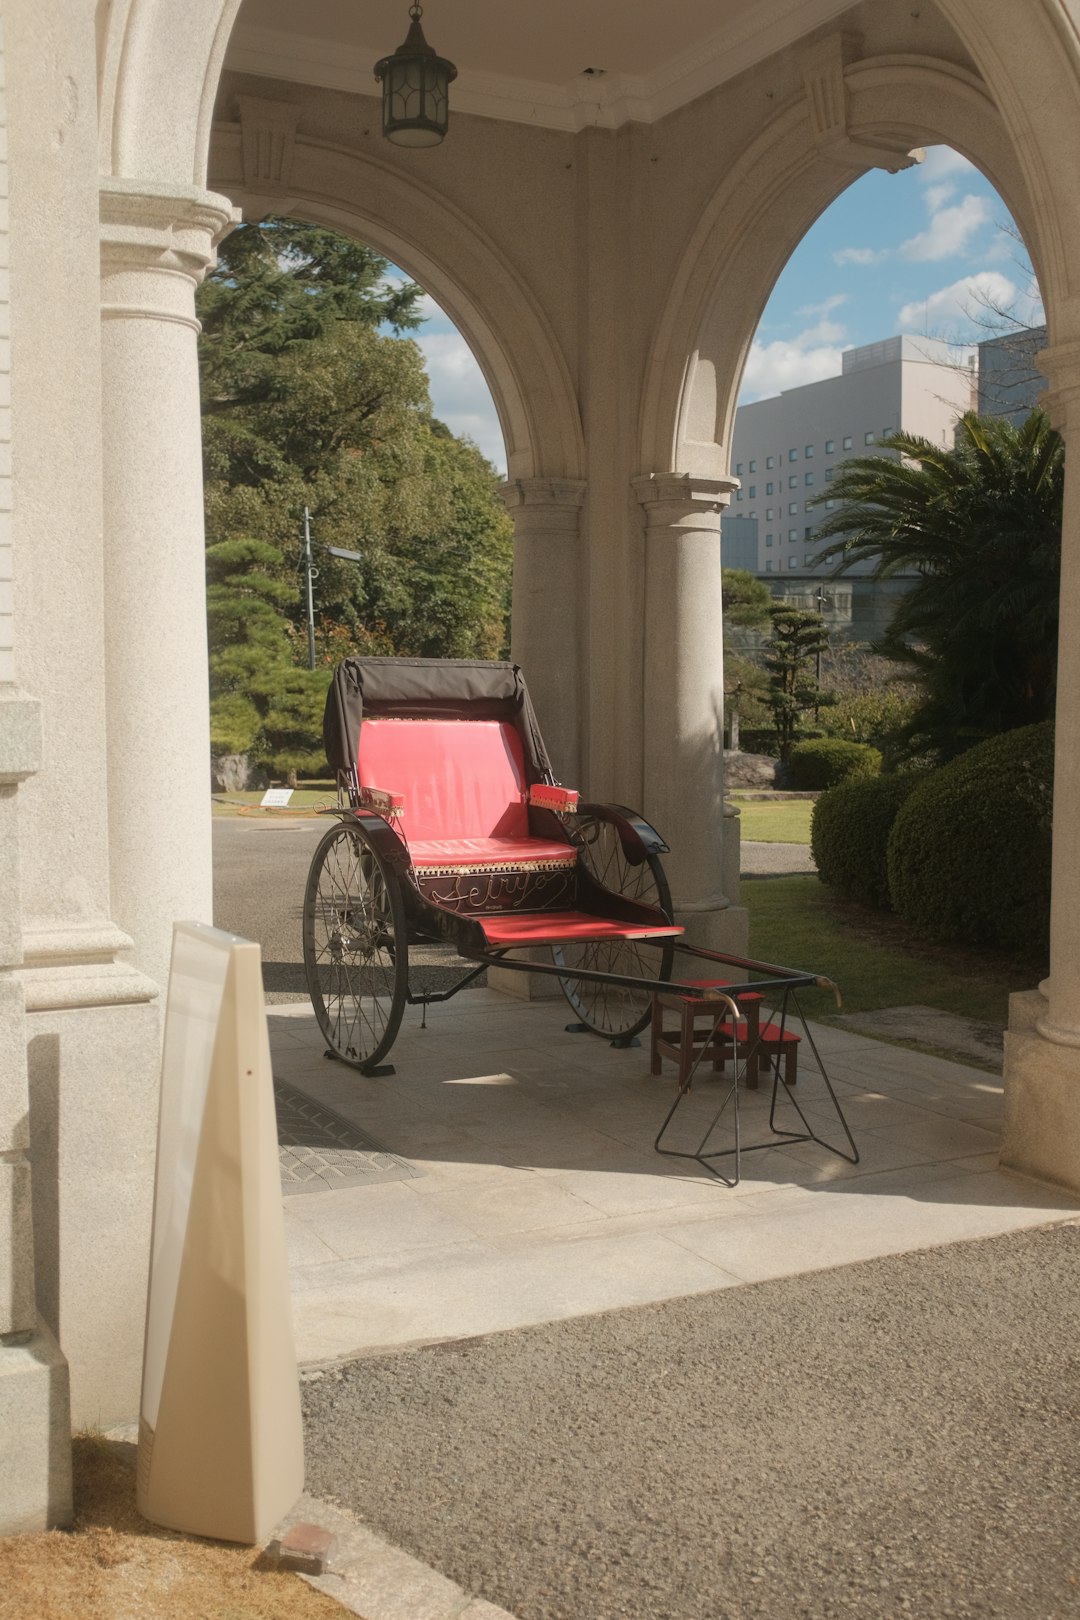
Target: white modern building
pixel 787 449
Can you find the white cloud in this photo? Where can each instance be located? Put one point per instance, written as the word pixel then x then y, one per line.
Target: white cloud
pixel 788 363
pixel 863 256
pixel 826 306
pixel 460 395
pixel 950 229
pixel 965 302
pixel 941 161
pixel 938 195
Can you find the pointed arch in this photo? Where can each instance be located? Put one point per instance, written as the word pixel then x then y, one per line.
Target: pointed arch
pixel 756 219
pixel 468 275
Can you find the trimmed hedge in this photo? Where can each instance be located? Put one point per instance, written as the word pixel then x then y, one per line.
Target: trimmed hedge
pixel 823 762
pixel 969 852
pixel 849 835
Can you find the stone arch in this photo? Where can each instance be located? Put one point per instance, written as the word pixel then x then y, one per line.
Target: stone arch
pixel 436 242
pixel 158 71
pixel 772 196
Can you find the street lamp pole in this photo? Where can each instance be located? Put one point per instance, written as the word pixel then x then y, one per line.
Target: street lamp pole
pixel 311 574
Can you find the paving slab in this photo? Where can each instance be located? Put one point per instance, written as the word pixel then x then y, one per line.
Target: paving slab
pixel 541 1197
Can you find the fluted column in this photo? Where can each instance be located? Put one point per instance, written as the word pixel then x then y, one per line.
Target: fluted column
pixel 1041 1127
pixel 156 245
pixel 546 618
pixel 683 719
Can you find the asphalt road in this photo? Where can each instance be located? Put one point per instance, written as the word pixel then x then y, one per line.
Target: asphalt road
pixel 897 1438
pixel 260 869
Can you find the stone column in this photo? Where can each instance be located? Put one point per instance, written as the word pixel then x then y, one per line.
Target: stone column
pixel 546 619
pixel 684 699
pixel 157 243
pixel 1041 1127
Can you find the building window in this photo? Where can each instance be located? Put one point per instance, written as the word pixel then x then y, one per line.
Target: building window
pixel 829 505
pixel 809 451
pixel 793 562
pixel 738 494
pixel 809 479
pixel 753 491
pixel 809 562
pixel 768 539
pixel 793 534
pixel 768 565
pixel 793 455
pixel 768 489
pixel 868 438
pixel 752 516
pixel 793 508
pixel 768 514
pixel 807 532
pixel 768 463
pixel 828 474
pixel 753 466
pixel 830 446
pixel 738 469
pixel 808 506
pixel 847 442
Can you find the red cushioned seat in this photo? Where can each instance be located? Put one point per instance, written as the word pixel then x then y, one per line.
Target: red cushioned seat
pixel 473 852
pixel 464 790
pixel 565 928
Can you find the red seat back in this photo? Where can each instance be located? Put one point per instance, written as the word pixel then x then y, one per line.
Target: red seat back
pixel 460 778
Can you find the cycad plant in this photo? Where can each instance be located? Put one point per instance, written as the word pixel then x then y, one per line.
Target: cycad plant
pixel 980 526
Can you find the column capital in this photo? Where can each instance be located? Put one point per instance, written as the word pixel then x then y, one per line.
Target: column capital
pixel 1060 364
pixel 670 497
pixel 543 492
pixel 168 233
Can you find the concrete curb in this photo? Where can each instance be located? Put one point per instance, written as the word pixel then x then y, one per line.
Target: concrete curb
pixel 372 1578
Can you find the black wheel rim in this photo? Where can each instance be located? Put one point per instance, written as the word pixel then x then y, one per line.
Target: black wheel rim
pixel 354 947
pixel 613 1010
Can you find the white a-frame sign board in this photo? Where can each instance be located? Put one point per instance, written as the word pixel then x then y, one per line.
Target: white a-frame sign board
pixel 221 1448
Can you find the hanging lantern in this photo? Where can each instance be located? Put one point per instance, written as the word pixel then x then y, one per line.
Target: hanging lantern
pixel 415 85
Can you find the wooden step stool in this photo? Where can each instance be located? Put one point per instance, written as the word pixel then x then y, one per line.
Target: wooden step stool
pixel 697 1033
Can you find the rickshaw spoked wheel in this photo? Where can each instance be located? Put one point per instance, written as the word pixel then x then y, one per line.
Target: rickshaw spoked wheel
pixel 355 946
pixel 615 1012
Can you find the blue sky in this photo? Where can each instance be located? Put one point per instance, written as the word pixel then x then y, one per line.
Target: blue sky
pixel 922 252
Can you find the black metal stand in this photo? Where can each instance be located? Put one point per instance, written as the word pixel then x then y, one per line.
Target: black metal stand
pixel 778 1137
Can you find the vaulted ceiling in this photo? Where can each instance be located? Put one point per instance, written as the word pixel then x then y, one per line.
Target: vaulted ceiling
pixel 563 64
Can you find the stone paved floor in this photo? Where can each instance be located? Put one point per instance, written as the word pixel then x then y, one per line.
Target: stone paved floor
pixel 542 1199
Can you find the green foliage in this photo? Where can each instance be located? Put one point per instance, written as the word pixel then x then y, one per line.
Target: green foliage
pixel 822 762
pixel 747 600
pixel 798 640
pixel 308 402
pixel 980 525
pixel 969 852
pixel 849 835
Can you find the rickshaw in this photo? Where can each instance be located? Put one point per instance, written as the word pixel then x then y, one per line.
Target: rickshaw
pixel 451 829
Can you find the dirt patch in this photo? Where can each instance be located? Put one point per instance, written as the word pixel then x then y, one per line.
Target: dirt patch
pixel 114 1565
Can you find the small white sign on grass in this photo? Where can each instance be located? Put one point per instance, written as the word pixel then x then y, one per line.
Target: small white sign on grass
pixel 276 798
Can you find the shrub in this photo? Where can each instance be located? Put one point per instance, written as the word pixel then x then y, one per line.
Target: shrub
pixel 823 762
pixel 969 853
pixel 849 835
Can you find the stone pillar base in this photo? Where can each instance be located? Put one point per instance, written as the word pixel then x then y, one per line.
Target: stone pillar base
pixel 726 929
pixel 525 986
pixel 1040 1133
pixel 35 1421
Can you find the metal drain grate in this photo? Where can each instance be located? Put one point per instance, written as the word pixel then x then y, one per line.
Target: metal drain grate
pixel 319 1151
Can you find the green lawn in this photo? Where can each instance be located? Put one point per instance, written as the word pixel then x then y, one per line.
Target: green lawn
pixel 795 923
pixel 787 821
